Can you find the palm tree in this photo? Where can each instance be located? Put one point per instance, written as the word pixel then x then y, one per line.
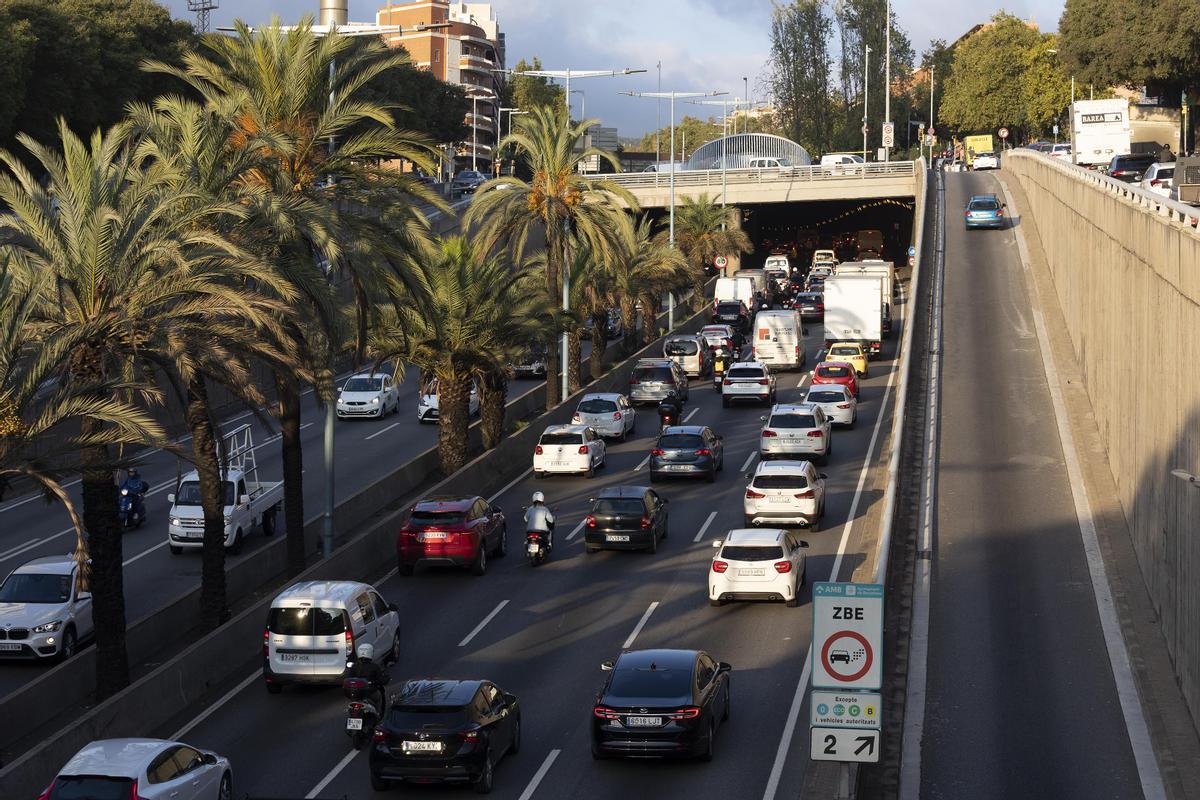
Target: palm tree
pixel 558 201
pixel 460 321
pixel 644 267
pixel 131 257
pixel 299 93
pixel 702 234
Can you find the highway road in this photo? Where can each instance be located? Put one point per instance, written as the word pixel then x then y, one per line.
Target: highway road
pixel 542 635
pixel 1022 700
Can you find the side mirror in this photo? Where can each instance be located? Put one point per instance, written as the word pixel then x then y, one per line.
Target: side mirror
pixel 724 666
pixel 209 758
pixel 762 419
pixel 171 498
pixel 664 500
pixel 717 544
pixel 244 499
pixel 394 607
pixel 802 544
pixel 607 666
pixel 822 475
pixel 509 699
pixel 349 665
pixel 84 596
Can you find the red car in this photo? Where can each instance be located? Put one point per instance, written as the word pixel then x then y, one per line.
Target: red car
pixel 836 372
pixel 452 531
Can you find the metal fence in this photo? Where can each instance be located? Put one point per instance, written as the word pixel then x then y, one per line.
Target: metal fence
pixel 740 149
pixel 715 178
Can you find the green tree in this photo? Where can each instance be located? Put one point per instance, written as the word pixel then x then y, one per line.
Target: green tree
pixel 864 23
pixel 643 267
pixel 528 92
pixel 702 234
pixel 421 102
pixel 939 58
pixel 799 71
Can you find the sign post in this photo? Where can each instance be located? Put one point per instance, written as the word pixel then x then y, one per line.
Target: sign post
pixel 1003 133
pixel 889 134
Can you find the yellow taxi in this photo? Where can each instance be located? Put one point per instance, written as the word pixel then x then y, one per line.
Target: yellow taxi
pixel 851 352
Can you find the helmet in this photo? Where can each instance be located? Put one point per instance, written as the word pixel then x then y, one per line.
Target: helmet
pixel 538 497
pixel 366 651
pixel 133 473
pixel 671 394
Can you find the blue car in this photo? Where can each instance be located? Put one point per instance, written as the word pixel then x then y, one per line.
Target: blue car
pixel 687 451
pixel 985 211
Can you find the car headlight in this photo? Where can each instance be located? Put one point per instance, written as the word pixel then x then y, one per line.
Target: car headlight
pixel 49 627
pixel 228 520
pixel 374 401
pixel 175 521
pixel 124 492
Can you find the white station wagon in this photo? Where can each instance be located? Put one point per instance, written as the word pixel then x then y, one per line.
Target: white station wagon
pixel 568 449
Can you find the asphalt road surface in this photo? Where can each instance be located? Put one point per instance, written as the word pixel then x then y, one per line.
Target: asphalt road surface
pixel 1021 699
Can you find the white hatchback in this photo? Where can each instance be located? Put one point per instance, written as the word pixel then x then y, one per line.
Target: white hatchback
pixel 609 414
pixel 747 380
pixel 796 431
pixel 427 404
pixel 148 769
pixel 785 493
pixel 837 401
pixel 568 449
pixel 757 564
pixel 368 395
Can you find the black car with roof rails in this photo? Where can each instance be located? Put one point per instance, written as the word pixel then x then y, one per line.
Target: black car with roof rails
pixel 660 703
pixel 1130 167
pixel 625 518
pixel 733 313
pixel 445 731
pixel 687 451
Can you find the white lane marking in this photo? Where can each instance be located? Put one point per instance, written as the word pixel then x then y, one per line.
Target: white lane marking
pixel 333 773
pixel 1110 625
pixel 641 624
pixel 144 553
pixel 208 712
pixel 22 548
pixel 306 425
pixel 382 431
pixel 704 528
pixel 750 458
pixel 511 484
pixel 789 728
pixel 537 776
pixel 692 413
pixel 34 496
pixel 482 624
pixel 644 462
pixel 578 528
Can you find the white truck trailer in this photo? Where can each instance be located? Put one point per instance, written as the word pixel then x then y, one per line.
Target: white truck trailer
pixel 854 310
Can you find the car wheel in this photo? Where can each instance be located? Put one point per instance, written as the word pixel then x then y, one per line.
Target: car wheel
pixel 624 434
pixel 653 477
pixel 795 601
pixel 591 472
pixel 538 475
pixel 596 754
pixel 712 475
pixel 268 523
pixel 380 784
pixel 707 754
pixel 515 747
pixel 814 524
pixel 653 548
pixel 236 546
pixel 68 645
pixel 502 548
pixel 480 565
pixel 748 521
pixel 715 603
pixel 591 548
pixel 483 784
pixel 274 688
pixel 225 792
pixel 853 420
pixel 728 692
pixel 393 655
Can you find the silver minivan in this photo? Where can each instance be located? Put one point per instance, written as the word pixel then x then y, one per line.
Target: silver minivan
pixel 314 628
pixel 689 352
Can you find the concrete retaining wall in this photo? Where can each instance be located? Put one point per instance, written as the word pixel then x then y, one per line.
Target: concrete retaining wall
pixel 1126 271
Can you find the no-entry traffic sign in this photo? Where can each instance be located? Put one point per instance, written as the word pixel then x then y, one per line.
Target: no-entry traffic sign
pixel 1003 132
pixel 847 636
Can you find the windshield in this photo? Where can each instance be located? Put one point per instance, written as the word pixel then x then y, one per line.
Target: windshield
pixel 653 374
pixel 619 505
pixel 597 406
pixel 681 441
pixel 306 621
pixel 363 385
pixel 984 205
pixel 845 351
pixel 421 518
pixel 833 372
pixel 781 482
pixel 189 493
pixel 681 347
pixel 745 372
pixel 668 683
pixel 561 438
pixel 826 397
pixel 729 308
pixel 24 588
pixel 792 421
pixel 752 552
pixel 422 717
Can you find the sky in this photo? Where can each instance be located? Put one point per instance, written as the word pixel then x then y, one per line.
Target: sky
pixel 704 45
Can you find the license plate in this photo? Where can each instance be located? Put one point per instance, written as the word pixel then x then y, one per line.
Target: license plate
pixel 423 747
pixel 560 463
pixel 750 573
pixel 293 657
pixel 677 467
pixel 9 646
pixel 430 535
pixel 354 724
pixel 614 537
pixel 643 722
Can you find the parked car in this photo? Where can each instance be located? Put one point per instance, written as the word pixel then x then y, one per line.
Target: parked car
pixel 757 564
pixel 988 160
pixel 835 372
pixel 747 380
pixel 796 430
pixel 531 363
pixel 625 518
pixel 568 449
pixel 142 769
pixel 467 181
pixel 660 703
pixel 654 378
pixel 1158 178
pixel 368 395
pixel 785 493
pixel 811 305
pixel 607 413
pixel 445 731
pixel 427 403
pixel 687 451
pixel 1129 167
pixel 851 352
pixel 44 610
pixel 837 401
pixel 457 531
pixel 984 211
pixel 313 627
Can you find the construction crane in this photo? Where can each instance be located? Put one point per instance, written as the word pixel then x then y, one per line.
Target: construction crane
pixel 202 9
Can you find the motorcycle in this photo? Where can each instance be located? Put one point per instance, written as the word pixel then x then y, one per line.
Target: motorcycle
pixel 667 416
pixel 539 545
pixel 718 370
pixel 131 509
pixel 361 713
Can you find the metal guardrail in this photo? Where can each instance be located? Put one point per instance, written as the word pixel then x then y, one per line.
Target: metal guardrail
pixel 714 178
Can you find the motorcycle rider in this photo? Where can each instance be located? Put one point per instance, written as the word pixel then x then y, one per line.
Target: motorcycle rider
pixel 137 489
pixel 538 517
pixel 366 667
pixel 671 405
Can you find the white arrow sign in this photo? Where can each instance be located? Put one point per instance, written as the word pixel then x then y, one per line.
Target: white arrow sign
pixel 844 744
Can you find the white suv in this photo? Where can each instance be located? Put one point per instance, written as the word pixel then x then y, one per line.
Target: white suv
pixel 785 493
pixel 44 612
pixel 757 564
pixel 568 449
pixel 797 430
pixel 748 380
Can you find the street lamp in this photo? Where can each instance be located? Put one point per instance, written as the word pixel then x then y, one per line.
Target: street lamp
pixel 511 110
pixel 887 75
pixel 671 234
pixel 866 94
pixel 475 97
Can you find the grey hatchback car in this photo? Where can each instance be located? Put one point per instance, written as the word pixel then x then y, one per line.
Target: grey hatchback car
pixel 687 451
pixel 654 378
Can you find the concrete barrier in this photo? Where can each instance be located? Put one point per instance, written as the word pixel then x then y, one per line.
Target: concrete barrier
pixel 155 698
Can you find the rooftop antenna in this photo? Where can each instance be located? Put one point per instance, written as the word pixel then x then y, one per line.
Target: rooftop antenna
pixel 203 9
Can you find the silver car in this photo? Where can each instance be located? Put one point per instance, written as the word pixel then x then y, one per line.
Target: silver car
pixel 800 430
pixel 608 413
pixel 44 613
pixel 148 769
pixel 654 378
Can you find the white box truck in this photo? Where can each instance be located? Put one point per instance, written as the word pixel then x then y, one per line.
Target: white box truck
pixel 884 269
pixel 1101 131
pixel 248 502
pixel 854 311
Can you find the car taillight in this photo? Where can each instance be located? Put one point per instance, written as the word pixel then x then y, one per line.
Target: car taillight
pixel 820 306
pixel 753 495
pixel 379 735
pixel 763 382
pixel 266 642
pixel 604 712
pixel 805 495
pixel 616 415
pixel 843 405
pixel 1155 182
pixel 469 735
pixel 537 450
pixel 783 566
pixel 591 521
pixel 133 790
pixel 1000 213
pixel 726 382
pixel 720 566
pixel 815 434
pixel 656 452
pixel 704 451
pixel 349 642
pixel 583 450
pixel 46 794
pixel 691 712
pixel 645 522
pixel 634 381
pixel 769 434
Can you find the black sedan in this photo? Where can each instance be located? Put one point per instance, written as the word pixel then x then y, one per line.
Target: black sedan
pixel 811 305
pixel 467 181
pixel 625 518
pixel 687 451
pixel 451 731
pixel 660 703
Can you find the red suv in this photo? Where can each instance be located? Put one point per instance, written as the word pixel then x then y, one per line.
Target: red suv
pixel 836 372
pixel 454 531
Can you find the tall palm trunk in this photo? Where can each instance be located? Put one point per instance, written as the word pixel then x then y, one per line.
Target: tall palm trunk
pixel 649 319
pixel 575 358
pixel 554 288
pixel 699 279
pixel 287 389
pixel 599 344
pixel 454 393
pixel 493 397
pixel 213 609
pixel 629 317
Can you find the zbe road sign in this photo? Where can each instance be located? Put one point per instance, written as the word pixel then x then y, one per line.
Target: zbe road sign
pixel 847 648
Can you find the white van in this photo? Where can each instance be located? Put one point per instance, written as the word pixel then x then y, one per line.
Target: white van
pixel 734 289
pixel 779 339
pixel 314 628
pixel 758 276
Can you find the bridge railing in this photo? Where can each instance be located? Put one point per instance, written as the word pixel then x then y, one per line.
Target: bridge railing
pixel 714 178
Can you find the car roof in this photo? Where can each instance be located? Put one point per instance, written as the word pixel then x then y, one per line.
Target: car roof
pixel 566 429
pixel 622 491
pixel 830 387
pixel 662 659
pixel 694 430
pixel 654 362
pixel 846 364
pixel 118 758
pixel 758 364
pixel 847 344
pixel 47 565
pixel 436 692
pixel 614 396
pixel 446 502
pixel 379 374
pixel 754 536
pixel 789 467
pixel 319 594
pixel 793 408
pixel 975 197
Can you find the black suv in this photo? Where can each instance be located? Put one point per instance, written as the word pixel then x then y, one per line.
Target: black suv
pixel 625 518
pixel 1129 168
pixel 732 313
pixel 660 703
pixel 445 731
